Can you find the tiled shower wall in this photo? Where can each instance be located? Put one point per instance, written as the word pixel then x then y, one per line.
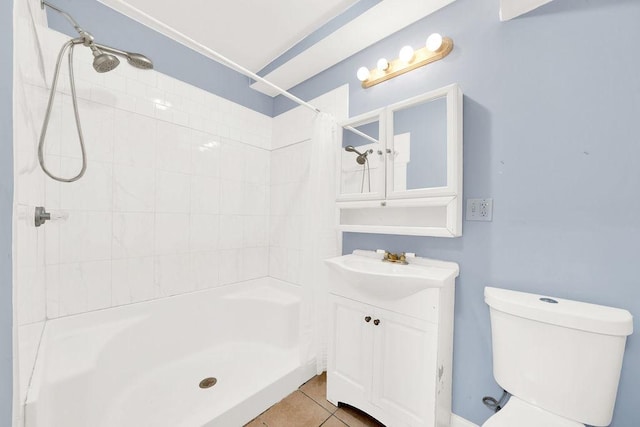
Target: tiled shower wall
pixel 176 194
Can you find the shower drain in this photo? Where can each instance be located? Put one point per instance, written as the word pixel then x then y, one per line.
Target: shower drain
pixel 208 382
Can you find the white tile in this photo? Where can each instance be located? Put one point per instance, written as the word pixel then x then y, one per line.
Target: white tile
pixel 172 233
pixel 133 280
pixel 52 277
pixel 134 140
pixel 255 231
pixel 98 127
pixel 52 242
pixel 134 189
pixel 257 166
pixel 84 287
pixel 255 263
pixel 233 159
pixel 255 199
pixel 173 192
pixel 231 228
pixel 203 233
pixel 173 274
pixel 231 197
pixel 205 157
pixel 173 149
pixel 133 234
pixel 230 266
pixel 205 267
pixel 205 194
pixel 86 236
pixel 94 191
pixel 31 294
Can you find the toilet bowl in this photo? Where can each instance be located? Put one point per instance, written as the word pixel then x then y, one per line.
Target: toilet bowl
pixel 559 359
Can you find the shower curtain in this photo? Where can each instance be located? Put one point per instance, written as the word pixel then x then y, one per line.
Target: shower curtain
pixel 321 240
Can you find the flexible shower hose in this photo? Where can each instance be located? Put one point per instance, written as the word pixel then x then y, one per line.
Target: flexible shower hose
pixel 70 44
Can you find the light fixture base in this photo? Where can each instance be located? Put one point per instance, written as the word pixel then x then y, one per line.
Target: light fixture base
pixel 397 67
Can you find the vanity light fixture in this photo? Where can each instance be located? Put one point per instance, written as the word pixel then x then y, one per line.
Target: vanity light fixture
pixel 436 48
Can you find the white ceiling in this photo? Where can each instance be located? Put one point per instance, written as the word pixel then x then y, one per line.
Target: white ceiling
pixel 249 32
pixel 253 33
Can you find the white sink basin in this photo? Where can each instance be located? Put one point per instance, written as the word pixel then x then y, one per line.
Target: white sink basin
pixel 389 280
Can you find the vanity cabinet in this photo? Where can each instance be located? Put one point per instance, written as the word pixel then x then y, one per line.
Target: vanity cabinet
pixel 389 348
pixel 384 360
pixel 400 167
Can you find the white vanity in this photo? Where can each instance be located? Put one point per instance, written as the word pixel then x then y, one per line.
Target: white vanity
pixel 391 338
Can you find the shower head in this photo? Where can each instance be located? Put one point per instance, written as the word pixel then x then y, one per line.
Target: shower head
pixel 103 62
pixel 137 60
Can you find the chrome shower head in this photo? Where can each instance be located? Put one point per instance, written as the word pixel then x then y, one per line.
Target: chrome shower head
pixel 103 62
pixel 139 61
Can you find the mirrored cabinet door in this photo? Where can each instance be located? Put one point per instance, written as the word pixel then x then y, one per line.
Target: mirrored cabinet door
pixel 423 136
pixel 361 159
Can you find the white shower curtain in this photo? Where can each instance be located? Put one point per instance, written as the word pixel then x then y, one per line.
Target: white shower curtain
pixel 320 240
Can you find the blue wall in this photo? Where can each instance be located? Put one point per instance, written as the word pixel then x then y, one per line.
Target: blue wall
pixel 170 57
pixel 6 209
pixel 551 132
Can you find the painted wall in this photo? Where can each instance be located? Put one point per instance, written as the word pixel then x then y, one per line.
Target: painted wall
pixel 551 131
pixel 170 57
pixel 6 211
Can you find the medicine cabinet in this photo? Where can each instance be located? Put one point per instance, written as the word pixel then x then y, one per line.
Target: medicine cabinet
pixel 400 167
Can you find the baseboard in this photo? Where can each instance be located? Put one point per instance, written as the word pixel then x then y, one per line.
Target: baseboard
pixel 457 421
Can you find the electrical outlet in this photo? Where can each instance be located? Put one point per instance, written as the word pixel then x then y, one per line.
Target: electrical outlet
pixel 479 209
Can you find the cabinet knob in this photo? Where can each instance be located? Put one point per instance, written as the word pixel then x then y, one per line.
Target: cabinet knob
pixel 367 319
pixel 376 322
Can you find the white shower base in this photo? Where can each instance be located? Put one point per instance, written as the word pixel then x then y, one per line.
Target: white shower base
pixel 140 365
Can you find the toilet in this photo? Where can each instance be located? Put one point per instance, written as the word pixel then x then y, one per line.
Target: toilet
pixel 559 359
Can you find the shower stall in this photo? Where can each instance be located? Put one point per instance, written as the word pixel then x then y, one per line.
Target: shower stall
pixel 173 252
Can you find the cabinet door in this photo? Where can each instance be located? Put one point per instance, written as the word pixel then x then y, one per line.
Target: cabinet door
pixel 361 158
pixel 350 346
pixel 404 368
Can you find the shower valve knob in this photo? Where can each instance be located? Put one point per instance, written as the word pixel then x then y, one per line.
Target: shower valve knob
pixel 376 322
pixel 367 319
pixel 41 216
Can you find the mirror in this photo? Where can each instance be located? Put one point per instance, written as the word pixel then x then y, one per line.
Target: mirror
pixel 419 145
pixel 360 161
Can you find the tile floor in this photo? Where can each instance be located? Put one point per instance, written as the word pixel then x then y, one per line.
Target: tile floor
pixel 308 407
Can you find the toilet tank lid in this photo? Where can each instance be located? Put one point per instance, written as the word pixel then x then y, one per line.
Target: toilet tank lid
pixel 571 314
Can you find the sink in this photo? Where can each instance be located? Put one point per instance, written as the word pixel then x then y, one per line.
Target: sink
pixel 389 280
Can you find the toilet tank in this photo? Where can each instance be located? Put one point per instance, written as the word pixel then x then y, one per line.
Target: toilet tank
pixel 560 355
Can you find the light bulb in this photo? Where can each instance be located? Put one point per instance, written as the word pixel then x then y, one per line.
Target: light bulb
pixel 383 64
pixel 363 73
pixel 434 42
pixel 406 54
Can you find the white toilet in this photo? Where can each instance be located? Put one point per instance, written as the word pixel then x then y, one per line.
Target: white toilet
pixel 559 359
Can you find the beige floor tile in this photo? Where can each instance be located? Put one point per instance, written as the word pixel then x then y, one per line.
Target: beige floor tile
pixel 256 423
pixel 295 410
pixel 334 422
pixel 356 418
pixel 316 388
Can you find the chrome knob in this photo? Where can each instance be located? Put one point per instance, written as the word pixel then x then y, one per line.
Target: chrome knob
pixel 376 322
pixel 367 319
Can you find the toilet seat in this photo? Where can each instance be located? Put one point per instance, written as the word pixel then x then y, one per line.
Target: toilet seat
pixel 518 413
